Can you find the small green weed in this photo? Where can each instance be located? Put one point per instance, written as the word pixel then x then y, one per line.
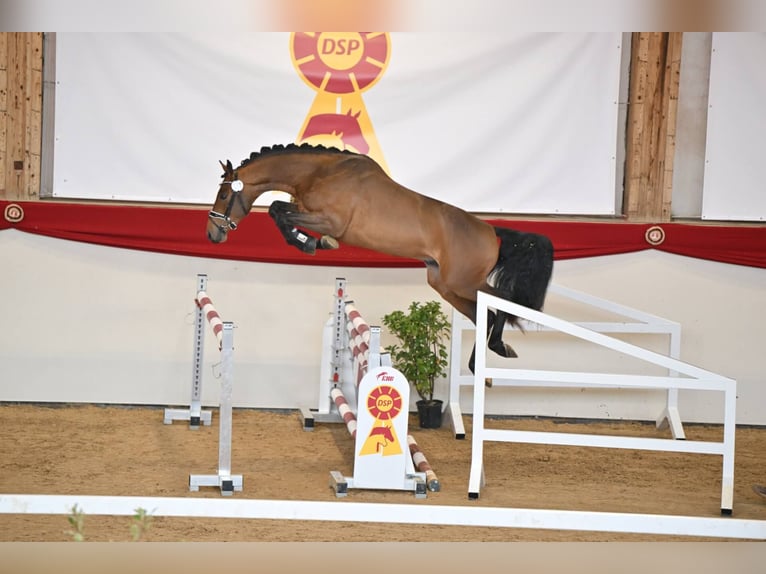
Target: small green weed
pixel 141 521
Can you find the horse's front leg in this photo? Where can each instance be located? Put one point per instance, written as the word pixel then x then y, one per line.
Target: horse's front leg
pixel 287 217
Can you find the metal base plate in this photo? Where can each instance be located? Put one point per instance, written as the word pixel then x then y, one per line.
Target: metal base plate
pixel 227 484
pixel 204 417
pixel 342 484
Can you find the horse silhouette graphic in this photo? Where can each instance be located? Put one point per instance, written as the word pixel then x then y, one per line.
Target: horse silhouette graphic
pixel 338 130
pixel 382 441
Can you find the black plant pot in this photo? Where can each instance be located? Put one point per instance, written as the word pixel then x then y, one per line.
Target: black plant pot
pixel 430 414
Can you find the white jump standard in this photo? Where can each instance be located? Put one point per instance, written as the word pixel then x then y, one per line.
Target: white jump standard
pixel 194 414
pixel 224 479
pixel 224 333
pixel 376 418
pixel 681 376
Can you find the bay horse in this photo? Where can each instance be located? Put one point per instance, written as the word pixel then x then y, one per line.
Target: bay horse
pixel 345 196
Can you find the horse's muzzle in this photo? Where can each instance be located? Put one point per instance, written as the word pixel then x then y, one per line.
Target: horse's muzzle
pixel 216 234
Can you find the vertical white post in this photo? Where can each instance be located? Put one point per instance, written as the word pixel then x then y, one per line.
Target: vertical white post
pixel 339 330
pixel 476 476
pixel 453 410
pixel 225 413
pixel 671 408
pixel 195 408
pixel 331 375
pixel 224 479
pixel 729 431
pixel 326 370
pixel 194 414
pixel 373 358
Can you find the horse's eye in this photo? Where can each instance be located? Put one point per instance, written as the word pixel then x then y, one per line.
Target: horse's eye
pixel 223 195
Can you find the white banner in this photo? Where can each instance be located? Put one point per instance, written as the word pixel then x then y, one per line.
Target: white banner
pixel 733 187
pixel 496 123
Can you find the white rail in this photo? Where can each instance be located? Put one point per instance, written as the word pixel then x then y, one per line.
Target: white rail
pixel 713 527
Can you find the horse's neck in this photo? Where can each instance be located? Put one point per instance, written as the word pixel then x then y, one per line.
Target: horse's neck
pixel 287 173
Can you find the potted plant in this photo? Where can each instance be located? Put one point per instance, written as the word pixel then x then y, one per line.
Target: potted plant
pixel 421 354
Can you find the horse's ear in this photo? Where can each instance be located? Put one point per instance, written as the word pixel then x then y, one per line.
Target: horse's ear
pixel 227 167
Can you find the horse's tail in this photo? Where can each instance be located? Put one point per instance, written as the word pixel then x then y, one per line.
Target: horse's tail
pixel 523 269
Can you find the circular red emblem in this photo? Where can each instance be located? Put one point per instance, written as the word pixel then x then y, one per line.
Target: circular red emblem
pixel 14 213
pixel 655 235
pixel 384 402
pixel 340 62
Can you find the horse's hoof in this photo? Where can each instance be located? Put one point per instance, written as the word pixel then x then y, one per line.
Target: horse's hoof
pixel 488 383
pixel 328 242
pixel 310 246
pixel 503 349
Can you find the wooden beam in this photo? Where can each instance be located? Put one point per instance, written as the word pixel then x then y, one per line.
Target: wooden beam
pixel 670 109
pixel 3 109
pixel 20 114
pixel 651 130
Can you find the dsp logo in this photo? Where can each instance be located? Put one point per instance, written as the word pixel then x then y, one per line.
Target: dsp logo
pixel 340 66
pixel 341 50
pixel 384 403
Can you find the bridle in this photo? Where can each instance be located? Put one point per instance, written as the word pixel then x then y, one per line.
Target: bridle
pixel 214 216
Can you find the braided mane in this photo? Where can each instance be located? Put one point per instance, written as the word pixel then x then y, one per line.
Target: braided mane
pixel 290 148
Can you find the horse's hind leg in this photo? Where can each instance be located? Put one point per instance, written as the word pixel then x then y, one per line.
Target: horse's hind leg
pixel 465 306
pixel 472 359
pixel 496 342
pixel 495 324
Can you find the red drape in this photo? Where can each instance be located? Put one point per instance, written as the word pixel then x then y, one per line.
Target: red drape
pixel 181 231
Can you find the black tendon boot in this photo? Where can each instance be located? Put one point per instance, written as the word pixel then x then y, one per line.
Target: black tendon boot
pixel 305 243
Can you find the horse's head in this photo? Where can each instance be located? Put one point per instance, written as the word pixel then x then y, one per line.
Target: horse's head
pixel 229 207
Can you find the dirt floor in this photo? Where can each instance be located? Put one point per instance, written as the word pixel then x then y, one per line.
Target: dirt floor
pixel 112 450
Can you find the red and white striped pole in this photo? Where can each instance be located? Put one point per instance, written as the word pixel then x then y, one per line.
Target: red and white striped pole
pixel 421 464
pixel 358 341
pixel 212 316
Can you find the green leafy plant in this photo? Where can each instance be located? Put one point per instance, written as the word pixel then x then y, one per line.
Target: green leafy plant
pixel 76 519
pixel 421 354
pixel 141 522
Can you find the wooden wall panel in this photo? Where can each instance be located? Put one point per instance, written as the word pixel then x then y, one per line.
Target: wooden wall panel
pixel 34 128
pixel 670 105
pixel 3 107
pixel 651 130
pixel 20 114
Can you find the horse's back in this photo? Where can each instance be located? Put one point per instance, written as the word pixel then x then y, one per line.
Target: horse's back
pixel 374 211
pixel 415 225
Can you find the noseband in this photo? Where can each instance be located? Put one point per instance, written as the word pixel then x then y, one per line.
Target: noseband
pixel 228 224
